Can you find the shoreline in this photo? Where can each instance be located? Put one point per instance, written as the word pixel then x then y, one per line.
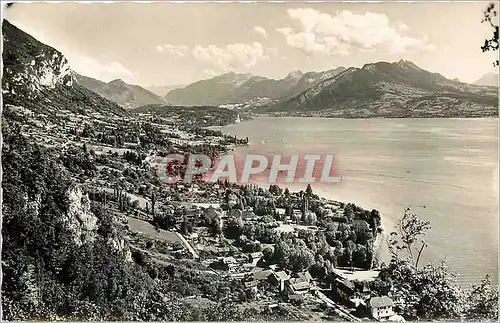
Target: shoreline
pixel 380 249
pixel 374 117
pixel 392 208
pixel 255 117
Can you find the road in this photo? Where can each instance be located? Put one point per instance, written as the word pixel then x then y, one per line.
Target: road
pixel 338 309
pixel 188 245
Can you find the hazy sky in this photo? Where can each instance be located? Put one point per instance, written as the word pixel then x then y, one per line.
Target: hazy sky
pixel 178 43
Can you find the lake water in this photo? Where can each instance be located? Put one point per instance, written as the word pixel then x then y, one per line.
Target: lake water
pixel 445 170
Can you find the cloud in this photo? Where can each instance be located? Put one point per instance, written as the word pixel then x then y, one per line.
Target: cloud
pixel 102 71
pixel 401 26
pixel 232 55
pixel 303 40
pixel 221 58
pixel 344 32
pixel 260 30
pixel 177 51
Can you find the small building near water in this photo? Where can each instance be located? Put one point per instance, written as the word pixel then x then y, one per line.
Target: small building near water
pixel 381 307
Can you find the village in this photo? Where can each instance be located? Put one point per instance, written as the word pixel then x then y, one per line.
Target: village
pixel 283 247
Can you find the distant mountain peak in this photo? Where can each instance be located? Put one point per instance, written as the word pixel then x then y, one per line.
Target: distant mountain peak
pixel 488 79
pixel 369 67
pixel 406 64
pixel 233 78
pixel 124 94
pixel 118 81
pixel 295 74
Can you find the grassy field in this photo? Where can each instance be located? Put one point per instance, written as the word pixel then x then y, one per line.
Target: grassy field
pixel 146 228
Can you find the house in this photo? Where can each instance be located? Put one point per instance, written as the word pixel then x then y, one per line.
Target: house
pixel 381 307
pixel 192 214
pixel 365 290
pixel 302 277
pixel 345 289
pixel 225 263
pixel 254 257
pixel 281 211
pixel 230 261
pixel 298 288
pixel 194 237
pixel 297 216
pixel 273 267
pixel 279 278
pixel 238 276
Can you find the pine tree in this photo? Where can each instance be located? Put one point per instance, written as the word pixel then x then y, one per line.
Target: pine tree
pixel 309 190
pixel 153 202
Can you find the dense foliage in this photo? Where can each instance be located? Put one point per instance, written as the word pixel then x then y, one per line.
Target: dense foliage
pixel 490 17
pixel 429 292
pixel 57 262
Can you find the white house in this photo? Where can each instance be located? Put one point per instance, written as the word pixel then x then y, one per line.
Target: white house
pixel 381 307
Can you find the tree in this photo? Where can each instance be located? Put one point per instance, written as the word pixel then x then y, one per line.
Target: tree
pixel 491 44
pixel 309 190
pixel 186 227
pixel 360 256
pixel 267 253
pixel 438 295
pixel 482 301
pixel 153 202
pixel 429 292
pixel 409 230
pixel 233 228
pixel 215 228
pixel 281 254
pixel 300 259
pixel 310 218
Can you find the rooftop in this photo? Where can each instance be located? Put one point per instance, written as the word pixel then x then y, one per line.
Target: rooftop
pixel 301 286
pixel 345 284
pixel 281 275
pixel 383 301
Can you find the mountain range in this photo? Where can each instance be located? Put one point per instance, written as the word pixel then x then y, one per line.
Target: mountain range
pixel 232 88
pixel 489 79
pixel 399 89
pixel 382 89
pixel 126 95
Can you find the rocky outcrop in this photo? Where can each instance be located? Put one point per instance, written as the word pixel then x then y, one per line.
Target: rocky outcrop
pixel 30 66
pixel 79 218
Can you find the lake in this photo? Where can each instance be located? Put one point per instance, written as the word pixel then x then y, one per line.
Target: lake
pixel 445 170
